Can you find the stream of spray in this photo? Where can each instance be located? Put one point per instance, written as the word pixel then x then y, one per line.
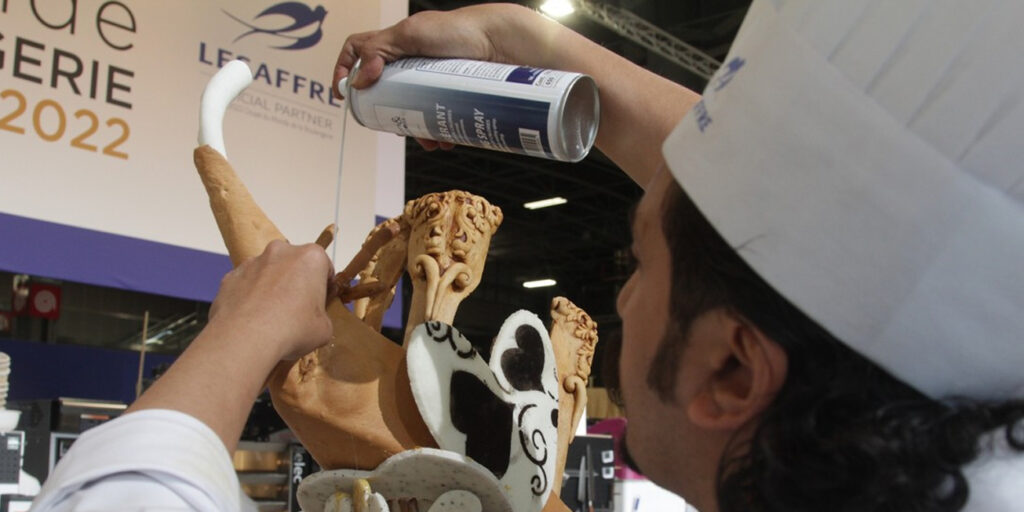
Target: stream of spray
pixel 337 190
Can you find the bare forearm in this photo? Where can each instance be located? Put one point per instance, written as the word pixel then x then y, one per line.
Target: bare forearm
pixel 638 108
pixel 268 309
pixel 215 380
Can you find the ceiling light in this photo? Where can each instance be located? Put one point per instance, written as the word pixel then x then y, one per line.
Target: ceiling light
pixel 540 283
pixel 557 8
pixel 544 203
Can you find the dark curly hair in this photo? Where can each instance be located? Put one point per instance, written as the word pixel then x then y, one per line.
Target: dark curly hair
pixel 842 434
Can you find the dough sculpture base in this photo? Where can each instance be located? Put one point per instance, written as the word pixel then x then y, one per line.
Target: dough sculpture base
pixel 350 402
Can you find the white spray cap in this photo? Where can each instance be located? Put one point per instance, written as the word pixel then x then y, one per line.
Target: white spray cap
pixel 343 85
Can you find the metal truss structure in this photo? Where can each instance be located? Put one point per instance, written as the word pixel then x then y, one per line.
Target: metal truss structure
pixel 641 32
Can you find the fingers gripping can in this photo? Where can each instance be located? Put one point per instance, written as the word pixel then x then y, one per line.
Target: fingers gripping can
pixel 517 109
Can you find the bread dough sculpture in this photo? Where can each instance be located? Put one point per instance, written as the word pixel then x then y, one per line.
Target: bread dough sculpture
pixel 435 422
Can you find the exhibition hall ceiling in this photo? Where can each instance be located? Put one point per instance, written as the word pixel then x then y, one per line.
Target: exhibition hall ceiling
pixel 581 244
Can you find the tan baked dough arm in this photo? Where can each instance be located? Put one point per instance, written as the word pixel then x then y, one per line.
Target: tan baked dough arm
pixel 243 225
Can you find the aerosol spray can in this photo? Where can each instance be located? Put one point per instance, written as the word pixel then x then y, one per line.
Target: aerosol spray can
pixel 538 112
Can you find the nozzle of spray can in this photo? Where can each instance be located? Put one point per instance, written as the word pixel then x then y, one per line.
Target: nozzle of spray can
pixel 343 83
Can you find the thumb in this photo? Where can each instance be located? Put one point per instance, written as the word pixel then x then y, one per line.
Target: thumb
pixel 370 68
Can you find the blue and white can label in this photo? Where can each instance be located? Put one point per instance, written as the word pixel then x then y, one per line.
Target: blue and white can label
pixel 538 112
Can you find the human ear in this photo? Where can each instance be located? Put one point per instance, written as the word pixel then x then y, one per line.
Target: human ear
pixel 742 370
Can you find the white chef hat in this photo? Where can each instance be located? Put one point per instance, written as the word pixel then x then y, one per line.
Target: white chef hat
pixel 868 155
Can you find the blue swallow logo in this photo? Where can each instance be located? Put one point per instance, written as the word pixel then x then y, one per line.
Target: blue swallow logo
pixel 304 30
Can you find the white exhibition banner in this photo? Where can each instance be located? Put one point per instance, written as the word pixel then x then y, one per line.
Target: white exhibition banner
pixel 99 103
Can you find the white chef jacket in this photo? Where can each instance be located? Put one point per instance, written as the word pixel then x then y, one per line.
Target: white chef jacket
pixel 151 460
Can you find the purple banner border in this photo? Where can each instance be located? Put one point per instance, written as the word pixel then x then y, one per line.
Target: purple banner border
pixel 59 251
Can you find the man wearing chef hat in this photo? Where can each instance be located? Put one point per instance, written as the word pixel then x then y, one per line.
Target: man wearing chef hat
pixel 828 306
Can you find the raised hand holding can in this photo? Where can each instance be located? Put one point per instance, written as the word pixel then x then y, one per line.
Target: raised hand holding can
pixel 517 109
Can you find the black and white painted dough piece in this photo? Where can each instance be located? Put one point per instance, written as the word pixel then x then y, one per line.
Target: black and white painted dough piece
pixel 499 409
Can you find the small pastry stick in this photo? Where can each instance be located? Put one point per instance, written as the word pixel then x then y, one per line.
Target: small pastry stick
pixel 385 234
pixel 327 236
pixel 361 290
